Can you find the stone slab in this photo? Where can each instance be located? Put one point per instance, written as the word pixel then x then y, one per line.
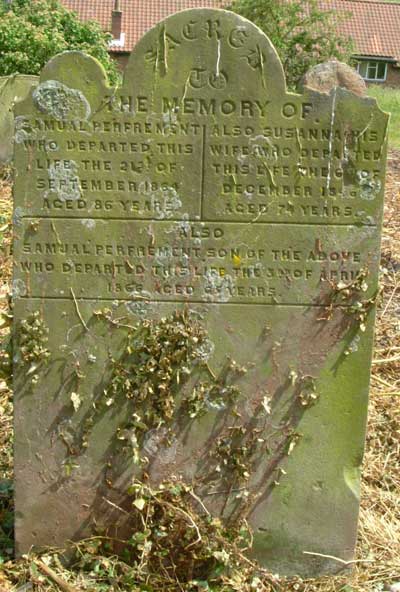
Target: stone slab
pixel 12 89
pixel 200 185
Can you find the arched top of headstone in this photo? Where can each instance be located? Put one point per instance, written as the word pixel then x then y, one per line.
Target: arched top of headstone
pixel 28 78
pixel 198 51
pixel 74 79
pixel 200 62
pixel 13 89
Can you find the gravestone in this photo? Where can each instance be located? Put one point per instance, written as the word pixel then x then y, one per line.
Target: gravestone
pixel 201 205
pixel 12 89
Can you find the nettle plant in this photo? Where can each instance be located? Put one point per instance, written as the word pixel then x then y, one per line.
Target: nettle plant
pixel 174 541
pixel 160 376
pixel 158 358
pixel 351 296
pixel 29 342
pixel 177 546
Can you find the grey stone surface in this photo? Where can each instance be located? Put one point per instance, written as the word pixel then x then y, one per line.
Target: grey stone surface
pixel 12 89
pixel 201 185
pixel 329 75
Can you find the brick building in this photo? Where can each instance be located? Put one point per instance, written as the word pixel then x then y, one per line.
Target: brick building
pixel 373 25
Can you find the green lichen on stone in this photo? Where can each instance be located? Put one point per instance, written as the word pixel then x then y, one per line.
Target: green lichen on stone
pixel 198 185
pixel 12 89
pixel 158 357
pixel 59 101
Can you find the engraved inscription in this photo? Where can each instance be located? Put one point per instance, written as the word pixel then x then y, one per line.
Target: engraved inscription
pixel 201 190
pixel 192 165
pixel 214 263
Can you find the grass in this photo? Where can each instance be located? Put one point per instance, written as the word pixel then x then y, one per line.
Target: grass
pixel 389 100
pixel 97 569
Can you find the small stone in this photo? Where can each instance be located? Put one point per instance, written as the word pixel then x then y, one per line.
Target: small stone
pixel 324 77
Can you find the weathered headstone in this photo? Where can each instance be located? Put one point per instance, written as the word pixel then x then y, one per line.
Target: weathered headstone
pixel 221 223
pixel 12 89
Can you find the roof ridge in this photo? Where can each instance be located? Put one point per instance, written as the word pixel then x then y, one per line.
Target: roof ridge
pixel 397 3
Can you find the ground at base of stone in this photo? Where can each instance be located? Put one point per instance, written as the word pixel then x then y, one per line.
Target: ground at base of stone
pixel 377 565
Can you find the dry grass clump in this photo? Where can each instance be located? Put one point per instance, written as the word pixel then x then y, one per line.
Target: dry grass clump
pixel 377 566
pixel 6 461
pixel 5 278
pixel 380 503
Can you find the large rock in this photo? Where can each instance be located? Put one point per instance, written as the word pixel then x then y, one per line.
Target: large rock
pixel 324 77
pixel 12 89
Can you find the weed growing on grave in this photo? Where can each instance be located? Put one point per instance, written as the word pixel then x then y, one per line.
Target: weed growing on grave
pixel 234 456
pixel 350 295
pixel 162 380
pixel 176 543
pixel 379 538
pixel 32 338
pixel 234 452
pixel 6 520
pixel 158 359
pixel 307 391
pixel 6 370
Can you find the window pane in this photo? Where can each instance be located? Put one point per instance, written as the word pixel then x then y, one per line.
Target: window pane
pixel 372 69
pixel 382 71
pixel 362 68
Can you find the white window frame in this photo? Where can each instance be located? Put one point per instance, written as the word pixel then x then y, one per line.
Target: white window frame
pixel 117 42
pixel 371 64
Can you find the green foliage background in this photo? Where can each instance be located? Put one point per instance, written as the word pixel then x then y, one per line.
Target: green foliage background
pixel 33 31
pixel 302 34
pixel 389 100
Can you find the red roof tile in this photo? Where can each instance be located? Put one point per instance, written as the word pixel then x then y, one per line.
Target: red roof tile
pixel 373 25
pixel 138 16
